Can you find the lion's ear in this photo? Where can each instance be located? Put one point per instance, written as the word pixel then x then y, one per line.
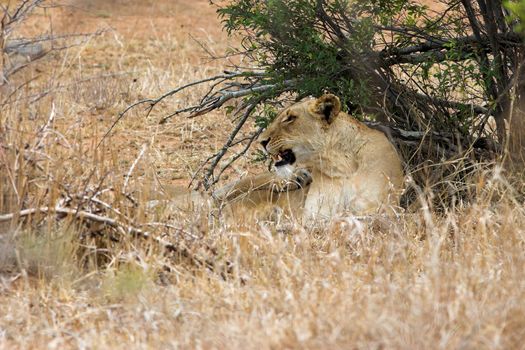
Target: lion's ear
pixel 328 106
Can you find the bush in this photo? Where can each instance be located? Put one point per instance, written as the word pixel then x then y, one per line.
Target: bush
pixel 398 60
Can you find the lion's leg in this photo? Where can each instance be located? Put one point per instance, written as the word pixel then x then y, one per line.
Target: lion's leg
pixel 265 184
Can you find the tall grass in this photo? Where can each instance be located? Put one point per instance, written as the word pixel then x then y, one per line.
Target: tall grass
pixel 426 279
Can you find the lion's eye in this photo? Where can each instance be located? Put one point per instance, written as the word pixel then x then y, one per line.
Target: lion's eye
pixel 290 118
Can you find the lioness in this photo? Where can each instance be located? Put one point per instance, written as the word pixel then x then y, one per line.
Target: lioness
pixel 327 161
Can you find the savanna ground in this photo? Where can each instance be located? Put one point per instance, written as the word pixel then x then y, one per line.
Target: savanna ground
pixel 447 279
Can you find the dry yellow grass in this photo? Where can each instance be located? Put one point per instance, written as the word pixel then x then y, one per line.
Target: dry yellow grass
pixel 422 281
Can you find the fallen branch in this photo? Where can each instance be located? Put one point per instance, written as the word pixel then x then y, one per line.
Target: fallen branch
pixel 84 215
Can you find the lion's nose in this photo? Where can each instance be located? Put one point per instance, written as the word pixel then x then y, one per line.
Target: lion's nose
pixel 264 143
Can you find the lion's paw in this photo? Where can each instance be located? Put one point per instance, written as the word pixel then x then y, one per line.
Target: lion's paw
pixel 302 177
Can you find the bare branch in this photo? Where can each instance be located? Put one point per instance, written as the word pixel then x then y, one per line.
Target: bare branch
pixel 251 139
pixel 152 102
pixel 436 50
pixel 219 98
pixel 84 215
pixel 208 177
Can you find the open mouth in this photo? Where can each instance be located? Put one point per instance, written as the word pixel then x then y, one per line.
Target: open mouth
pixel 285 157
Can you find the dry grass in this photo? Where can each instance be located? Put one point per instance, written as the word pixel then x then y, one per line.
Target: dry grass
pixel 425 280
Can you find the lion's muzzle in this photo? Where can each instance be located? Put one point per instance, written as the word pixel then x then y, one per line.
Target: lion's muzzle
pixel 285 157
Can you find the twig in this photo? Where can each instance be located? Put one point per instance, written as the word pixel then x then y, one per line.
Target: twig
pixel 135 162
pixel 224 149
pixel 238 155
pixel 154 102
pixel 44 130
pixel 95 200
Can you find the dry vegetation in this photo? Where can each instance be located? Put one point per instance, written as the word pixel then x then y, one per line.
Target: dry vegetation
pixel 453 279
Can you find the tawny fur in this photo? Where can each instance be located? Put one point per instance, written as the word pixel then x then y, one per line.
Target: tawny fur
pixel 354 169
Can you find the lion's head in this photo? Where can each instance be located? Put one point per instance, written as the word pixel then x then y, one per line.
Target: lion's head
pixel 297 133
